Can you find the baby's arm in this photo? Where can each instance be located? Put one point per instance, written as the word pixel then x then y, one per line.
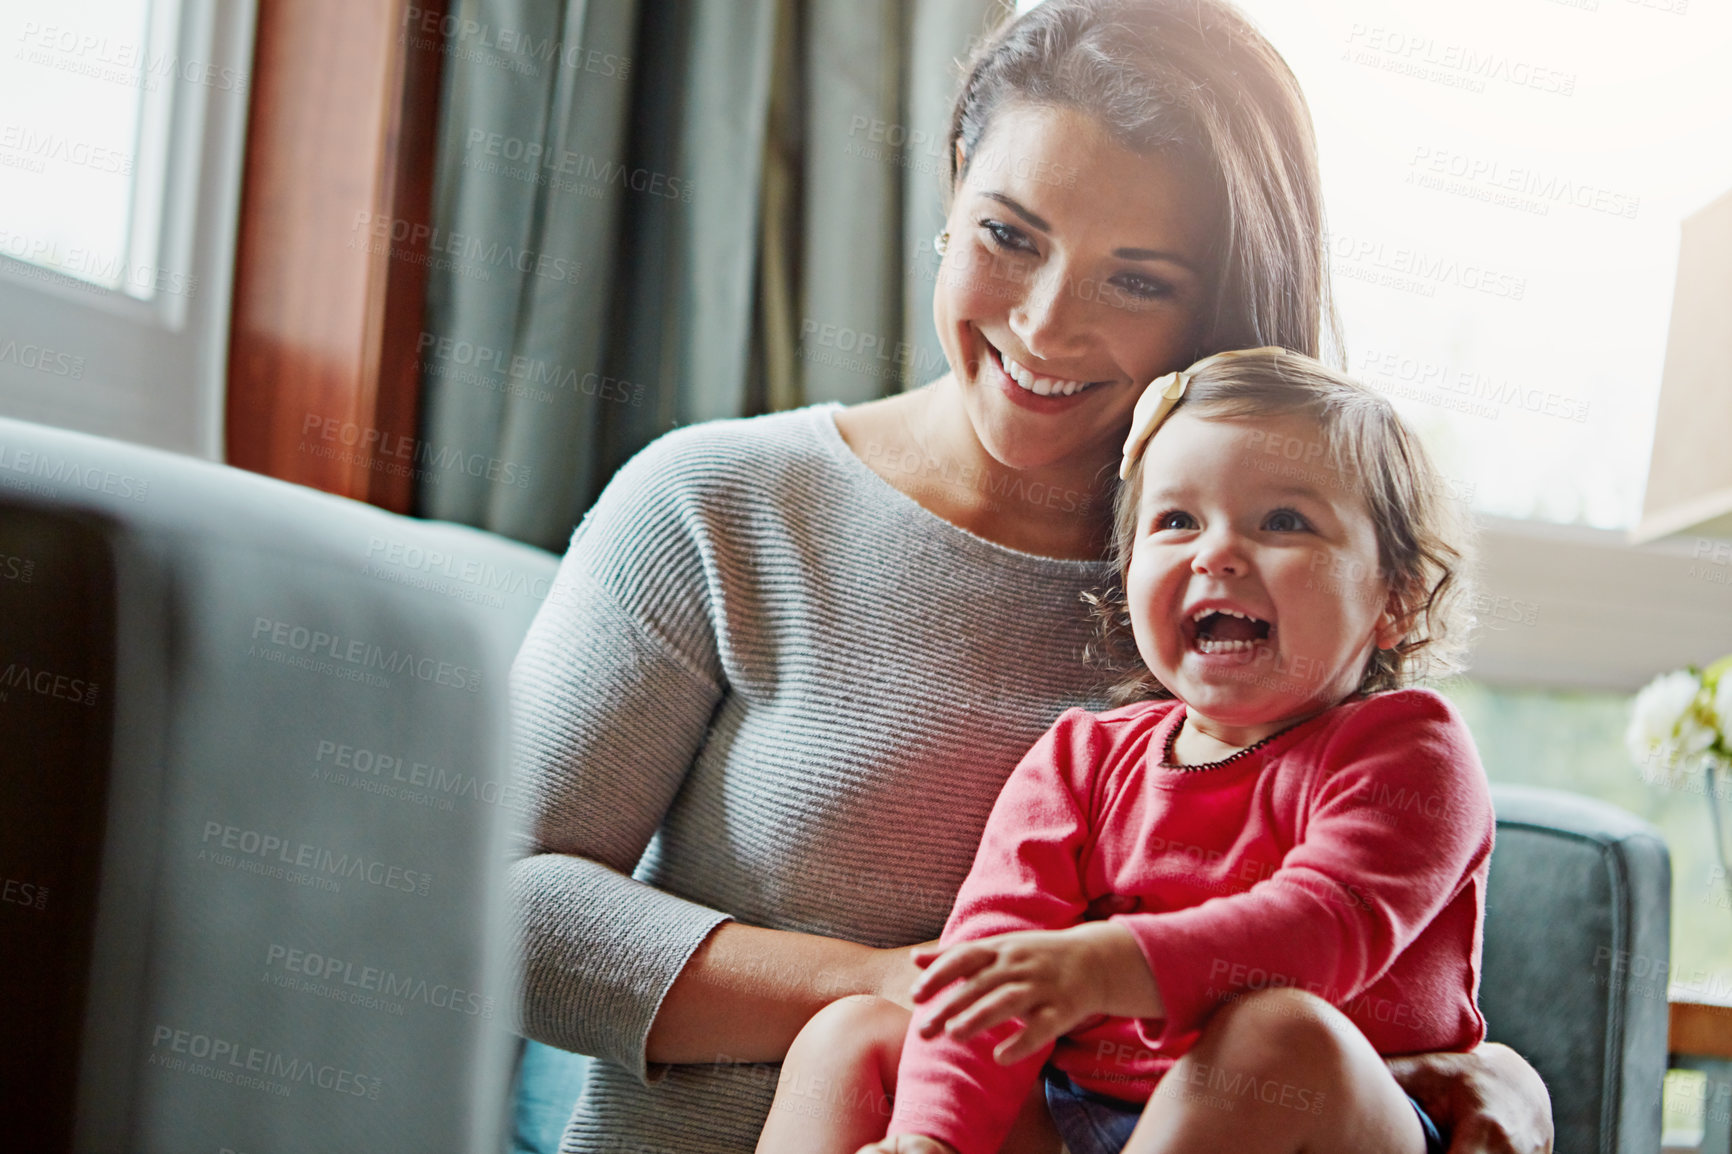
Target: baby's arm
pixel 1026 877
pixel 1052 981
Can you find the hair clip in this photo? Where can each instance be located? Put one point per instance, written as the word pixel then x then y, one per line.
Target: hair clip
pixel 1152 408
pixel 1163 395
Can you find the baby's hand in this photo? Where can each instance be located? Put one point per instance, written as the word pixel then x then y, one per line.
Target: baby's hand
pixel 908 1144
pixel 1052 980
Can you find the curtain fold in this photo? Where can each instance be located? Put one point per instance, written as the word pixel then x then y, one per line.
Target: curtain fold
pixel 653 214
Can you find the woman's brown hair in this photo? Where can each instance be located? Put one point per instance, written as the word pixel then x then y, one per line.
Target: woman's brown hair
pixel 1194 78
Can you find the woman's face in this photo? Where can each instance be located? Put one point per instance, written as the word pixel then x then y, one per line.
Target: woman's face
pixel 1075 274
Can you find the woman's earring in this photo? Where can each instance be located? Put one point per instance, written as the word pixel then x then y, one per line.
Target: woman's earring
pixel 941 242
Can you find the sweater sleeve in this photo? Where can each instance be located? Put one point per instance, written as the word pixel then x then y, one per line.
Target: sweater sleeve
pixel 612 695
pixel 1026 876
pixel 1397 822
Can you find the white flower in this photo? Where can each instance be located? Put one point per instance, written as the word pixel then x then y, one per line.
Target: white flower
pixel 1662 723
pixel 1723 704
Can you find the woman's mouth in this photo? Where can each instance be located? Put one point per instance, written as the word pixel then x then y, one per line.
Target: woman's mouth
pixel 1029 381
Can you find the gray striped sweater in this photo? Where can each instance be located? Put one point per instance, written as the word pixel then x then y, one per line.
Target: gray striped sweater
pixel 767 686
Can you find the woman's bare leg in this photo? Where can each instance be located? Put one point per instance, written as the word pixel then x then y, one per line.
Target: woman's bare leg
pixel 1279 1072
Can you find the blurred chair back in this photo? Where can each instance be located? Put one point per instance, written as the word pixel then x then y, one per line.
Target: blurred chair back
pixel 265 792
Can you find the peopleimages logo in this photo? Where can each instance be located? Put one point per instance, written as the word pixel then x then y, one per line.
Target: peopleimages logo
pixel 311 971
pixel 1416 270
pixel 257 1067
pixel 268 853
pixel 43 360
pixel 66 471
pixel 47 683
pixel 286 637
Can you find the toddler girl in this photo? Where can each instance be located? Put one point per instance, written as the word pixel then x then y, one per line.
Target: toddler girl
pixel 1197 922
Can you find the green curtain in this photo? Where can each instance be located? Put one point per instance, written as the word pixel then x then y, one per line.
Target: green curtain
pixel 648 214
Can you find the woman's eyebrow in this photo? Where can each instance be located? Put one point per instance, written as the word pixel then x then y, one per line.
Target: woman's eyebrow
pixel 1040 224
pixel 1028 217
pixel 1154 254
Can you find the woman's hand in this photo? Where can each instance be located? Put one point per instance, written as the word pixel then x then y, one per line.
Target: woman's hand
pixel 1051 980
pixel 1490 1099
pixel 908 1144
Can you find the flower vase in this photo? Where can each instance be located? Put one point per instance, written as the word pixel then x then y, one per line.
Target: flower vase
pixel 1718 779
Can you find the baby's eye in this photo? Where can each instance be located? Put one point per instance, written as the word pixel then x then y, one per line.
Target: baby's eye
pixel 1007 237
pixel 1175 519
pixel 1285 521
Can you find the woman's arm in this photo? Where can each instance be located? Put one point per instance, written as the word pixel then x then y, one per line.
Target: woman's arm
pixel 1489 1098
pixel 613 695
pixel 747 991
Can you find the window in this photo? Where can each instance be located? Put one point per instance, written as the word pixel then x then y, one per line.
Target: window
pixel 83 153
pixel 120 149
pixel 1574 742
pixel 1504 186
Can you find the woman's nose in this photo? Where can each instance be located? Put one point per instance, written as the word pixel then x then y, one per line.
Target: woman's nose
pixel 1046 317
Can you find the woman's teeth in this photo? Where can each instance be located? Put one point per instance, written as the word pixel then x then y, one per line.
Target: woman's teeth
pixel 1042 386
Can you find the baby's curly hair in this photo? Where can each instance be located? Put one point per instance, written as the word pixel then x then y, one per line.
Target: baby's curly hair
pixel 1423 544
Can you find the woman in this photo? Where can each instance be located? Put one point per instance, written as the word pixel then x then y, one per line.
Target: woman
pixel 767 710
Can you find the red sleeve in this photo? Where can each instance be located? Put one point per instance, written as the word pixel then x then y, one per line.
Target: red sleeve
pixel 1025 877
pixel 1369 872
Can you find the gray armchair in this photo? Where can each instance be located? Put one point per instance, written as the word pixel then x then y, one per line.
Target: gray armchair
pixel 1577 932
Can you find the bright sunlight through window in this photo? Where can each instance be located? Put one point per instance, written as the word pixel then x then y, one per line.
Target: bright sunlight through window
pixel 1505 181
pixel 87 92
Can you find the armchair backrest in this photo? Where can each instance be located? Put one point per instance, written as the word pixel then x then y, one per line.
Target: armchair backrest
pixel 282 864
pixel 1577 940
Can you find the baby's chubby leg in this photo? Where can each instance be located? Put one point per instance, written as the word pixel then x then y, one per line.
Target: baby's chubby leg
pixel 834 1093
pixel 834 1096
pixel 1277 1072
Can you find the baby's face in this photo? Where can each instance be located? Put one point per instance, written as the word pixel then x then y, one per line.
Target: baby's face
pixel 1253 586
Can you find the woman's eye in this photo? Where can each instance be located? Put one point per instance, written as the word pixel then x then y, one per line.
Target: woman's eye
pixel 1175 519
pixel 1144 287
pixel 1007 237
pixel 1285 521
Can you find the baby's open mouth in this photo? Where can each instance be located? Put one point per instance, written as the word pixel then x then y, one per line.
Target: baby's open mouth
pixel 1227 631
